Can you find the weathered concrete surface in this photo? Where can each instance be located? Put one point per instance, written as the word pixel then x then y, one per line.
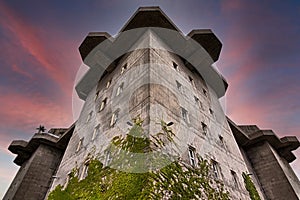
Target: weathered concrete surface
pixel 150 89
pixel 157 84
pixel 268 168
pixel 39 159
pixel 267 158
pixel 33 179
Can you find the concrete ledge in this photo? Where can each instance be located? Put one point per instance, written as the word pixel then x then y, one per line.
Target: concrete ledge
pixel 249 136
pixel 209 41
pixel 151 16
pixel 25 149
pixel 110 51
pixel 91 41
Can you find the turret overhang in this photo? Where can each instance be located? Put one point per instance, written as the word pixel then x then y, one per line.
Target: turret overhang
pixel 208 40
pixel 25 149
pixel 248 137
pixel 149 17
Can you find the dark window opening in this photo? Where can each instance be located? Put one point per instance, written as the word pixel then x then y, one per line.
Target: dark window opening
pixel 204 92
pixel 216 169
pixel 185 116
pixel 192 156
pixel 204 128
pixel 175 66
pixel 103 104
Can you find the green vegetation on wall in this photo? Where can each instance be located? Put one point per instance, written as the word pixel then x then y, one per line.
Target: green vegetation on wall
pixel 250 187
pixel 101 183
pixel 176 180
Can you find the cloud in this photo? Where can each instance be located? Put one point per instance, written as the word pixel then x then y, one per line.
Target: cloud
pixel 27 111
pixel 261 63
pixel 258 41
pixel 30 39
pixel 19 70
pixel 259 60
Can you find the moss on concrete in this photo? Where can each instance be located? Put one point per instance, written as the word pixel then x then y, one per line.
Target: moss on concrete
pixel 176 180
pixel 250 187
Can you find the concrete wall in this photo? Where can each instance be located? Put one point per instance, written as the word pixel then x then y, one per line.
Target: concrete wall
pixel 253 176
pixel 135 74
pixel 151 91
pixel 268 167
pixel 167 103
pixel 289 173
pixel 35 175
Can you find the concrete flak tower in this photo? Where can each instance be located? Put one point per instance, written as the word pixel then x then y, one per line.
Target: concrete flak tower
pixel 152 79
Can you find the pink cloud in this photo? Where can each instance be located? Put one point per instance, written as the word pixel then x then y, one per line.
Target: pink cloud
pixel 242 63
pixel 29 37
pixel 25 112
pixel 21 71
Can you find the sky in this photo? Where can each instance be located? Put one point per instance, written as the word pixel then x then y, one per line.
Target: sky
pixel 39 59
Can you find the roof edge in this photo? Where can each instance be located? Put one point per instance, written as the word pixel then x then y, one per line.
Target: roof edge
pixel 147 9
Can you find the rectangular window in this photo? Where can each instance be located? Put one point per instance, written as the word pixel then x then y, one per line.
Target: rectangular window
pixel 204 128
pixel 196 99
pixel 120 89
pixel 84 171
pixel 175 66
pixel 108 159
pixel 79 145
pixel 124 68
pixel 204 92
pixel 222 142
pixel 96 96
pixel 114 118
pixel 185 116
pixel 102 105
pixel 108 84
pixel 67 181
pixel 234 179
pixel 212 113
pixel 95 132
pixel 179 86
pixel 221 138
pixel 192 156
pixel 216 169
pixel 198 102
pixel 192 81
